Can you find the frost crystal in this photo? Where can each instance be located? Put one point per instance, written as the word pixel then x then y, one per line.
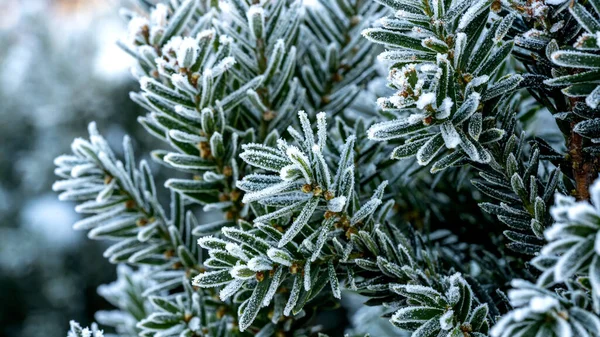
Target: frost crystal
pixel 137 26
pixel 159 15
pixel 425 100
pixel 77 331
pixel 543 304
pixel 187 52
pixel 336 204
pixel 445 109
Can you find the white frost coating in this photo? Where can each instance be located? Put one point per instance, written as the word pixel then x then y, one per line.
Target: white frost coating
pixel 421 290
pixel 254 10
pixel 208 73
pixel 334 282
pixel 467 109
pixel 281 144
pixel 459 47
pixel 398 101
pixel 311 3
pixel 271 190
pixel 385 130
pixel 231 289
pixel 429 68
pixel 217 206
pixel 430 328
pixel 317 247
pixel 583 213
pixel 322 167
pixel 161 64
pixel 307 281
pixel 542 304
pixel 289 172
pixel 450 135
pixel 441 57
pixel 145 82
pixel 226 64
pixel 445 109
pixel 250 311
pixel 80 170
pixel 172 46
pixel 346 160
pixel 550 248
pixel 366 210
pixel 194 324
pixel 75 183
pixel 539 9
pixel 419 32
pixel 187 113
pixel 242 272
pixel 302 162
pixel 521 296
pixel 285 199
pixel 471 13
pixel 187 52
pixel 309 245
pixel 309 137
pixel 259 264
pixel 225 40
pixel 257 182
pixel 321 129
pixel 107 192
pixel 263 157
pixel 236 250
pixel 535 306
pixel 477 81
pixel 299 222
pixel 533 33
pixel 256 20
pixel 453 294
pixel 136 26
pixel 555 2
pixel 446 320
pixel 273 287
pixel 425 100
pixel 209 242
pixel 336 204
pixel 416 118
pixel 85 332
pixel 561 206
pixel 382 102
pixel 181 82
pixel 159 15
pixel 293 299
pixel 282 212
pixel 209 34
pixel 470 150
pixel 212 176
pixel 553 233
pixel 280 256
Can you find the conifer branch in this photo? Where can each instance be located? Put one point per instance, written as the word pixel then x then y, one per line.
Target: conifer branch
pixel 318 205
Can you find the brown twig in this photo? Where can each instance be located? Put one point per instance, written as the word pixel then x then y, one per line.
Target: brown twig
pixel 585 167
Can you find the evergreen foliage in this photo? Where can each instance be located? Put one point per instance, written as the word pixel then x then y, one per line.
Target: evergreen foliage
pixel 77 331
pixel 258 104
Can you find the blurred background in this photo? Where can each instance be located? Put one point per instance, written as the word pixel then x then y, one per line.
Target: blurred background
pixel 59 69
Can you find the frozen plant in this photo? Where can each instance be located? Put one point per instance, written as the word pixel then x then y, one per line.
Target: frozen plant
pixel 77 331
pixel 257 102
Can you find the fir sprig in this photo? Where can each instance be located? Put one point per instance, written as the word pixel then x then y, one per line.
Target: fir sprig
pixel 325 207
